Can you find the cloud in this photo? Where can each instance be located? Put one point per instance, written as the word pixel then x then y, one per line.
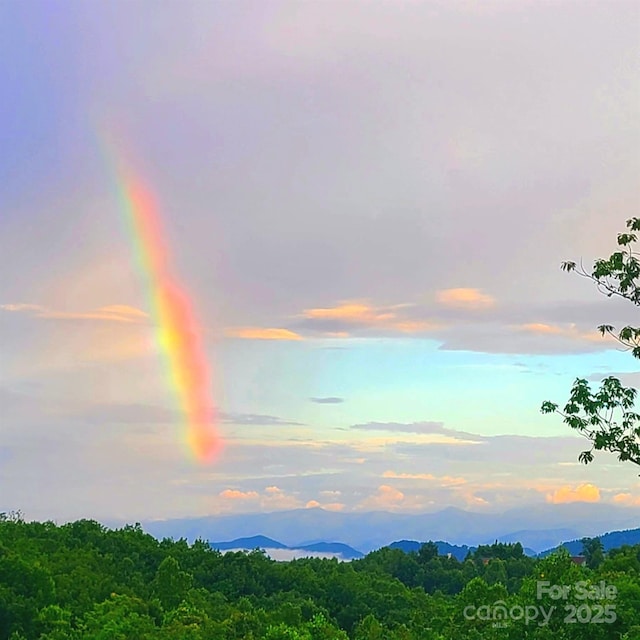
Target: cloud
pixel 334 506
pixel 124 310
pixel 61 340
pixel 327 506
pixel 569 330
pixel 386 497
pixel 353 316
pixel 272 498
pixel 526 338
pixel 234 494
pixel 262 333
pixel 508 452
pixel 327 400
pixel 451 436
pixel 22 308
pixel 275 499
pixel 286 555
pixel 472 499
pixel 464 298
pixel 412 427
pixel 582 493
pixel 274 475
pixel 256 418
pixel 626 499
pixel 110 313
pixel 272 490
pixel 446 481
pixel 349 312
pixel 504 329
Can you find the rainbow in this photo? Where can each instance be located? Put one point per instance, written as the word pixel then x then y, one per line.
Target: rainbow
pixel 178 333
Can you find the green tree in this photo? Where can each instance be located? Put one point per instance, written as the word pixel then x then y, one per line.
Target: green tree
pixel 118 618
pixel 171 584
pixel 428 551
pixel 606 416
pixel 593 551
pixel 55 623
pixel 496 572
pixel 369 629
pixel 321 629
pixel 625 559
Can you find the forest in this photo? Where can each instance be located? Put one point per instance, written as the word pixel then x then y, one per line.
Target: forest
pixel 83 581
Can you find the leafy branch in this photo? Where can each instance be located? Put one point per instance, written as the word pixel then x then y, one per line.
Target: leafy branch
pixel 618 276
pixel 606 417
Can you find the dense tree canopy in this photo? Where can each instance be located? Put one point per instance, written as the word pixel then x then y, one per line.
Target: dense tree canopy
pixel 81 581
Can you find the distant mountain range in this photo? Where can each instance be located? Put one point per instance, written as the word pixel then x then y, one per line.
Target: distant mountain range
pixel 342 551
pixel 611 540
pixel 537 527
pixel 270 546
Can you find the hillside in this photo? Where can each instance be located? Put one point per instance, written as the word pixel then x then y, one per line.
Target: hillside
pixel 82 581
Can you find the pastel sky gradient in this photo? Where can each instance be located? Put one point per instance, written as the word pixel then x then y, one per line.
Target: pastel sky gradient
pixel 368 204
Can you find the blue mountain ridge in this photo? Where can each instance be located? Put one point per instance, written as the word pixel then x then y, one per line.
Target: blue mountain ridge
pixel 263 542
pixel 611 540
pixel 252 542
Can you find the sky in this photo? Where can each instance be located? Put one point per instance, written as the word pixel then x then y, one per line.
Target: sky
pixel 365 204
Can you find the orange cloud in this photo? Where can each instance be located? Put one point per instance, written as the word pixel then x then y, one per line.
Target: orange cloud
pixel 389 495
pixel 272 498
pixel 474 500
pixel 112 313
pixel 540 327
pixel 349 311
pixel 273 490
pixel 124 310
pixel 330 506
pixel 626 499
pixel 234 494
pixel 365 315
pixel 334 506
pixel 566 331
pixel 582 493
pixel 386 497
pixel 261 333
pixel 466 298
pixel 276 498
pixel 413 326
